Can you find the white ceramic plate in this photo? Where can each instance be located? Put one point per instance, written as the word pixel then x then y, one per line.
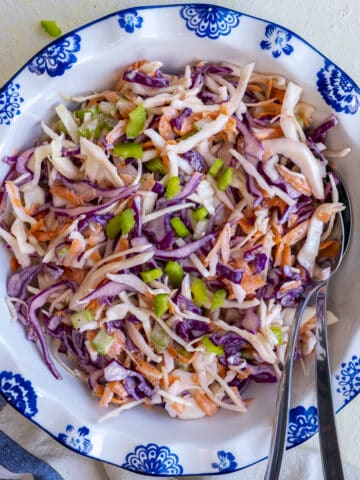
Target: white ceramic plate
pixel 90 58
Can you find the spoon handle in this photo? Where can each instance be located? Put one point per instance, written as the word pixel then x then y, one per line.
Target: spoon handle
pixel 329 447
pixel 279 430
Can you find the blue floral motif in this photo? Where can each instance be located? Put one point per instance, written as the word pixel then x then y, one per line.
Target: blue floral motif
pixel 10 101
pixel 337 89
pixel 130 20
pixel 153 459
pixel 78 440
pixel 277 41
pixel 19 393
pixel 57 58
pixel 226 463
pixel 303 424
pixel 349 379
pixel 209 21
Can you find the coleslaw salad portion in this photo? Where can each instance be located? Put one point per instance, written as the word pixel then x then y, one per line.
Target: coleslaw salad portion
pixel 161 234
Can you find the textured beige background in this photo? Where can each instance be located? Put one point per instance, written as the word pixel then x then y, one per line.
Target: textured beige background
pixel 332 26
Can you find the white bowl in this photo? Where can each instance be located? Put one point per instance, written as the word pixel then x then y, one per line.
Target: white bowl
pixel 90 58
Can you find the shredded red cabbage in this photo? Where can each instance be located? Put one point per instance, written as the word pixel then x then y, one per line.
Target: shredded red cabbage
pixel 136 76
pixel 178 121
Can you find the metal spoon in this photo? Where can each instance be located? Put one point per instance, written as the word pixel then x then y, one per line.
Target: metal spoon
pixel 329 447
pixel 279 431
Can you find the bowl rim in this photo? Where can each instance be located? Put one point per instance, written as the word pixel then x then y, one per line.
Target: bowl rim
pixel 85 26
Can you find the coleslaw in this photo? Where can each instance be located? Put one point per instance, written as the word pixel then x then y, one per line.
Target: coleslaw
pixel 162 233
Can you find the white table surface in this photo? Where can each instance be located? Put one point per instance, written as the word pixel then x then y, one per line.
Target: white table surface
pixel 332 26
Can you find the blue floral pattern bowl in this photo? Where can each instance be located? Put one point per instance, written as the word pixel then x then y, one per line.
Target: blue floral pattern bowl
pixel 140 440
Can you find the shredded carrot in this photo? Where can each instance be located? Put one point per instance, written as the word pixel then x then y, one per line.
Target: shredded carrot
pixel 296 234
pixel 12 194
pixel 264 133
pixel 147 404
pixel 286 256
pixel 110 96
pixel 93 238
pixel 66 194
pixel 15 200
pixel 223 110
pixel 222 245
pixel 173 378
pixel 242 264
pixel 165 128
pixel 14 264
pixel 246 225
pixel 230 126
pixel 251 283
pixel 293 220
pixel 44 236
pixel 90 334
pixel 75 248
pixel 323 216
pixel 243 374
pixel 330 248
pixel 296 180
pixel 272 109
pixel 92 101
pixel 276 235
pixel 106 397
pixel 230 290
pixel 148 144
pixel 178 407
pixel 308 325
pixel 292 237
pixel 186 126
pixel 93 304
pixel 171 308
pixel 276 202
pixel 181 358
pixel 268 87
pixel 36 226
pixel 99 390
pixel 119 401
pixel 278 94
pixel 118 388
pixel 123 244
pixel 148 370
pixel 117 345
pixel 290 286
pixel 221 370
pixel 165 160
pixel 95 256
pixel 195 378
pixel 63 227
pixel 74 274
pixel 126 178
pixel 254 88
pixel 206 405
